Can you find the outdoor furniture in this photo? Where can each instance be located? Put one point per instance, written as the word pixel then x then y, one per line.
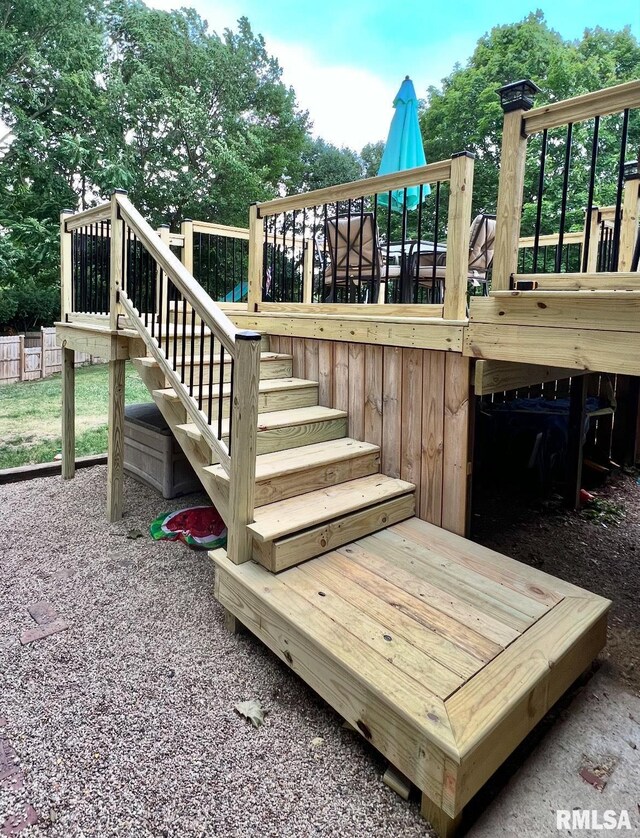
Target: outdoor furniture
pixel 354 257
pixel 428 269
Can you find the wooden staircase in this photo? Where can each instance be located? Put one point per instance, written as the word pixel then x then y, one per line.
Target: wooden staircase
pixel 315 488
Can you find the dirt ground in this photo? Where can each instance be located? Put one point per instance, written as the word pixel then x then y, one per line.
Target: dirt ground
pixel 596 548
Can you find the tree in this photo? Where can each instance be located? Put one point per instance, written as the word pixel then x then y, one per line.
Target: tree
pixel 201 125
pixel 51 53
pixel 324 164
pixel 466 114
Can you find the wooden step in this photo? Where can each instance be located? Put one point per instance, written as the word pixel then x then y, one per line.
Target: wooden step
pixel 285 474
pixel 293 530
pixel 273 394
pixel 283 429
pixel 272 365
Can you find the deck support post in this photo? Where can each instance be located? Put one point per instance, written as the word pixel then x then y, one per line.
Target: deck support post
pixel 243 445
pixel 115 450
pixel 443 824
pixel 577 400
pixel 68 413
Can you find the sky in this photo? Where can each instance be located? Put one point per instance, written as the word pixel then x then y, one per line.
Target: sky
pixel 346 58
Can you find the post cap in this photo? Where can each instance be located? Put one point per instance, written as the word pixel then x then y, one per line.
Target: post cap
pixel 245 334
pixel 119 192
pixel 630 170
pixel 463 154
pixel 518 95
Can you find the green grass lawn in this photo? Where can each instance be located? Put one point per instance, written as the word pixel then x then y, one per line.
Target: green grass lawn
pixel 30 415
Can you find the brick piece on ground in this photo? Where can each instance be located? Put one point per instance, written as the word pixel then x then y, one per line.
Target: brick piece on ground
pixel 40 632
pixel 42 612
pixel 14 824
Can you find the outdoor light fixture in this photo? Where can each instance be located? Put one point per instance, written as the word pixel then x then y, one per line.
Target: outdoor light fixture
pixel 630 170
pixel 518 95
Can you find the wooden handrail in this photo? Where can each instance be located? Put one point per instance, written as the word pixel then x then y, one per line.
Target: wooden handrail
pixel 431 173
pixel 548 240
pixel 205 307
pixel 226 230
pixel 599 103
pixel 81 219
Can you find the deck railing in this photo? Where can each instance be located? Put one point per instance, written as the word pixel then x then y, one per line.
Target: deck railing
pixel 580 149
pixel 395 239
pixel 212 366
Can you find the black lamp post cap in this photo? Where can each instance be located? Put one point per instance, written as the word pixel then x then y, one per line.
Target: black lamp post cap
pixel 630 170
pixel 518 95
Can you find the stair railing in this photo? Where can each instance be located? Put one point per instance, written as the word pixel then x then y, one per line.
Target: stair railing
pixel 213 367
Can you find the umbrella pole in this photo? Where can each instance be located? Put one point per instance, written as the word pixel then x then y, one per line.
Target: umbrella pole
pixel 405 274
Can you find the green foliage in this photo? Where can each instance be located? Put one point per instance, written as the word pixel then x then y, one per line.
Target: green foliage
pixel 324 164
pixel 465 112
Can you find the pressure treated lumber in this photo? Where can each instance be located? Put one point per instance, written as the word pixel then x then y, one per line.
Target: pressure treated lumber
pixel 288 516
pixel 68 414
pixel 287 473
pixel 401 617
pixel 115 441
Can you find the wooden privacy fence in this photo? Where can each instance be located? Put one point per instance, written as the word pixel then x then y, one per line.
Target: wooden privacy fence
pixel 34 355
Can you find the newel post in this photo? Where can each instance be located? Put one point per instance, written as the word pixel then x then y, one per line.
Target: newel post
pixel 256 258
pixel 243 444
pixel 458 229
pixel 630 214
pixel 516 98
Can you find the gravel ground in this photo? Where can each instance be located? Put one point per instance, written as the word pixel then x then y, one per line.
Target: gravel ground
pixel 125 724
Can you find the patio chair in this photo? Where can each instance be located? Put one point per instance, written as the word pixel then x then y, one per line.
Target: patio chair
pixel 482 238
pixel 354 261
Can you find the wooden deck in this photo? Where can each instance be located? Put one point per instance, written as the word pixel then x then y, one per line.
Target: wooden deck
pixel 443 654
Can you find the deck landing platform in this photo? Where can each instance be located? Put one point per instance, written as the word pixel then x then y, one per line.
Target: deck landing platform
pixel 442 653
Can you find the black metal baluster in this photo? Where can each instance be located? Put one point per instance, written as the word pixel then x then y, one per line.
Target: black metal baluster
pixel 221 393
pixel 403 235
pixel 592 181
pixel 176 304
pixel 184 334
pixel 617 224
pixel 323 277
pixel 389 199
pixel 168 318
pixel 376 244
pixel 201 371
pixel 536 232
pixel 435 246
pixel 192 346
pixel 293 258
pixel 283 278
pixel 348 291
pixel 147 259
pixel 216 269
pixel 160 290
pixel 360 247
pixel 210 403
pixel 565 195
pixel 233 381
pixel 304 255
pixel 416 279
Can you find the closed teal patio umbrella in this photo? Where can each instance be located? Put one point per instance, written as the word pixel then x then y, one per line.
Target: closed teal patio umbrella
pixel 404 148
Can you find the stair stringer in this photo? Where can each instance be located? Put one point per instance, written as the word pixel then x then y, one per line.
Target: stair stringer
pixel 174 414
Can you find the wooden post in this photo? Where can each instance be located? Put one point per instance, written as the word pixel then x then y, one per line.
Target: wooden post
pixel 509 207
pixel 244 431
pixel 68 413
pixel 22 367
pixel 577 396
pixel 117 243
pixel 256 258
pixel 307 272
pixel 629 228
pixel 186 257
pixel 459 221
pixel 43 363
pixel 66 288
pixel 115 449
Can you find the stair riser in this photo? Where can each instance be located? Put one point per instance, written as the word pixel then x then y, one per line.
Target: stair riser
pixel 268 370
pixel 278 400
pixel 279 439
pixel 298 483
pixel 294 549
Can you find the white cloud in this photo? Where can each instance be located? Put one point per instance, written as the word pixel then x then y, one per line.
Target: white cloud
pixel 348 105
